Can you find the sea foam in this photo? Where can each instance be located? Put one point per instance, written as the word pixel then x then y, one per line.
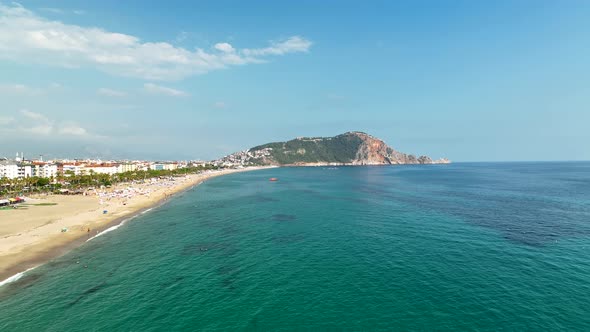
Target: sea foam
pixel 110 229
pixel 14 277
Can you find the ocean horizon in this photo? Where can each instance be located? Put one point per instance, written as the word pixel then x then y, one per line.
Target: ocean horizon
pixel 463 246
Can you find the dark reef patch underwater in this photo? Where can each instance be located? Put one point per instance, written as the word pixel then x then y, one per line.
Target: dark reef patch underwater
pixel 482 246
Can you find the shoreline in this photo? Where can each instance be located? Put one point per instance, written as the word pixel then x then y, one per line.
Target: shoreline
pixel 14 265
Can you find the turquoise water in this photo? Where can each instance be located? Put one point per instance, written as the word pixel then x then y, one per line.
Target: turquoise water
pixel 438 247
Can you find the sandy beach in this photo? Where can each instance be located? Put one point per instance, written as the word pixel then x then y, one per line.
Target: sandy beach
pixel 46 227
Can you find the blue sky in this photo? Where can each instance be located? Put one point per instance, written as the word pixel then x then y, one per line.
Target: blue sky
pixel 467 80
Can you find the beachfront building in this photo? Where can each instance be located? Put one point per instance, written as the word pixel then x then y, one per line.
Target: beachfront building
pixel 44 170
pixel 171 166
pixel 100 169
pixel 164 166
pixel 14 170
pixel 8 169
pixel 70 168
pixel 145 166
pixel 21 168
pixel 127 167
pixel 24 171
pixel 157 167
pixel 199 163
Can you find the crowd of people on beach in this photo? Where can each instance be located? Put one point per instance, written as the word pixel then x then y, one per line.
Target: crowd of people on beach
pixel 136 188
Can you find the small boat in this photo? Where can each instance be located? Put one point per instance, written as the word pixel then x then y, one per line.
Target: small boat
pixel 273 179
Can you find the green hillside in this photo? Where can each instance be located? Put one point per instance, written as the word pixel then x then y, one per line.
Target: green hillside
pixel 338 149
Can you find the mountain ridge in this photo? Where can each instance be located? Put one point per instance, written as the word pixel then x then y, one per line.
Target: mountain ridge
pixel 350 148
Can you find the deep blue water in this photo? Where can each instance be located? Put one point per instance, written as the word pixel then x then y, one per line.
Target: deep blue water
pixel 482 246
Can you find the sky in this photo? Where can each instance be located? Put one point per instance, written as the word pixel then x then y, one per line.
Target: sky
pixel 172 80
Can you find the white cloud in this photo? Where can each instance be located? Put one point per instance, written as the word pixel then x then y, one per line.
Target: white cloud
pixel 42 129
pixel 5 120
pixel 220 105
pixel 37 124
pixel 225 47
pixel 17 89
pixel 60 11
pixel 162 90
pixel 290 45
pixel 111 93
pixel 181 37
pixel 52 10
pixel 34 123
pixel 29 38
pixel 33 115
pixel 72 129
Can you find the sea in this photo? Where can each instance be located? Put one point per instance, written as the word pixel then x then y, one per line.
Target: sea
pixel 459 247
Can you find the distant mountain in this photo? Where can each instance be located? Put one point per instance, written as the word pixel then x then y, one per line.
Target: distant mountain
pixel 352 148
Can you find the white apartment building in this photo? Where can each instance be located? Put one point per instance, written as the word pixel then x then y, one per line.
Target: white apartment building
pixel 44 170
pixel 8 170
pixel 127 168
pixel 164 166
pixel 75 168
pixel 100 169
pixel 12 170
pixel 25 171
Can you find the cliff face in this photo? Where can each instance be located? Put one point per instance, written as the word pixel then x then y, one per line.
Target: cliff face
pixel 352 148
pixel 374 151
